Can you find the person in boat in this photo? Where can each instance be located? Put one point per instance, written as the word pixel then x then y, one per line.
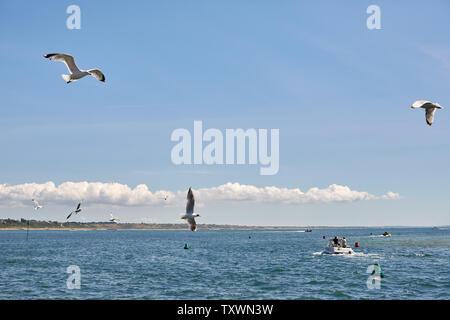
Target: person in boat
pixel 344 242
pixel 336 241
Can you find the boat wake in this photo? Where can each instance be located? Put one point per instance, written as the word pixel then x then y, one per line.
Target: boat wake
pixel 353 255
pixel 284 231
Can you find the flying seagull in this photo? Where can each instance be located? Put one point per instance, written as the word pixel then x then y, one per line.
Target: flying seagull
pixel 113 219
pixel 36 205
pixel 190 215
pixel 429 107
pixel 75 73
pixel 76 211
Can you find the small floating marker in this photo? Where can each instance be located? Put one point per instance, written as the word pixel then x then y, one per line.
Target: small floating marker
pixel 323 237
pixel 357 244
pixel 186 246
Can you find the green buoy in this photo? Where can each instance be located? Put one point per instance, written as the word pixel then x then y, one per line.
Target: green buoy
pixel 186 246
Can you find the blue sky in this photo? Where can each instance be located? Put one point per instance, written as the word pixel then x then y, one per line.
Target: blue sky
pixel 339 93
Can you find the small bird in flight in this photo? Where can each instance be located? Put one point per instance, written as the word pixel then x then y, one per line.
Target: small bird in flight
pixel 429 107
pixel 78 209
pixel 75 73
pixel 36 205
pixel 113 219
pixel 190 215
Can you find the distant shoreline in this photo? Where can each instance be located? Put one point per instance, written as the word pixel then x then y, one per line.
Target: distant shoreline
pixel 156 228
pixel 23 224
pixel 101 229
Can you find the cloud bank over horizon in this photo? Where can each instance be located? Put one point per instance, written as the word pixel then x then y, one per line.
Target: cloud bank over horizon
pixel 113 193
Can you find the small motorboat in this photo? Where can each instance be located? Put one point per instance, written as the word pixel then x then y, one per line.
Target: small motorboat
pixel 383 235
pixel 308 230
pixel 337 246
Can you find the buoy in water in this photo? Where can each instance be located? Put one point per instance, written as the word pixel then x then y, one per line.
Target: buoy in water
pixel 186 246
pixel 357 244
pixel 323 237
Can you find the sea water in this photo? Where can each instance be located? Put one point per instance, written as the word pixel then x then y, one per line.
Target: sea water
pixel 223 264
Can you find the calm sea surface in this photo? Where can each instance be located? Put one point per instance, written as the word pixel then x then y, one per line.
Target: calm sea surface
pixel 152 264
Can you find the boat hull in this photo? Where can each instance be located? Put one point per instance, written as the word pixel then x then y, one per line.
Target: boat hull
pixel 338 250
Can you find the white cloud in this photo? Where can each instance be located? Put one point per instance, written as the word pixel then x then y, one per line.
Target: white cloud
pixel 90 192
pixel 334 193
pixel 112 193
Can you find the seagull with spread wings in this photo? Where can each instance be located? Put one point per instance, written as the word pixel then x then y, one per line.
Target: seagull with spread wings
pixel 36 205
pixel 190 215
pixel 75 73
pixel 77 210
pixel 429 107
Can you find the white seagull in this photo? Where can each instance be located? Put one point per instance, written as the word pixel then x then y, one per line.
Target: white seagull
pixel 75 73
pixel 190 215
pixel 78 209
pixel 429 107
pixel 113 219
pixel 36 205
